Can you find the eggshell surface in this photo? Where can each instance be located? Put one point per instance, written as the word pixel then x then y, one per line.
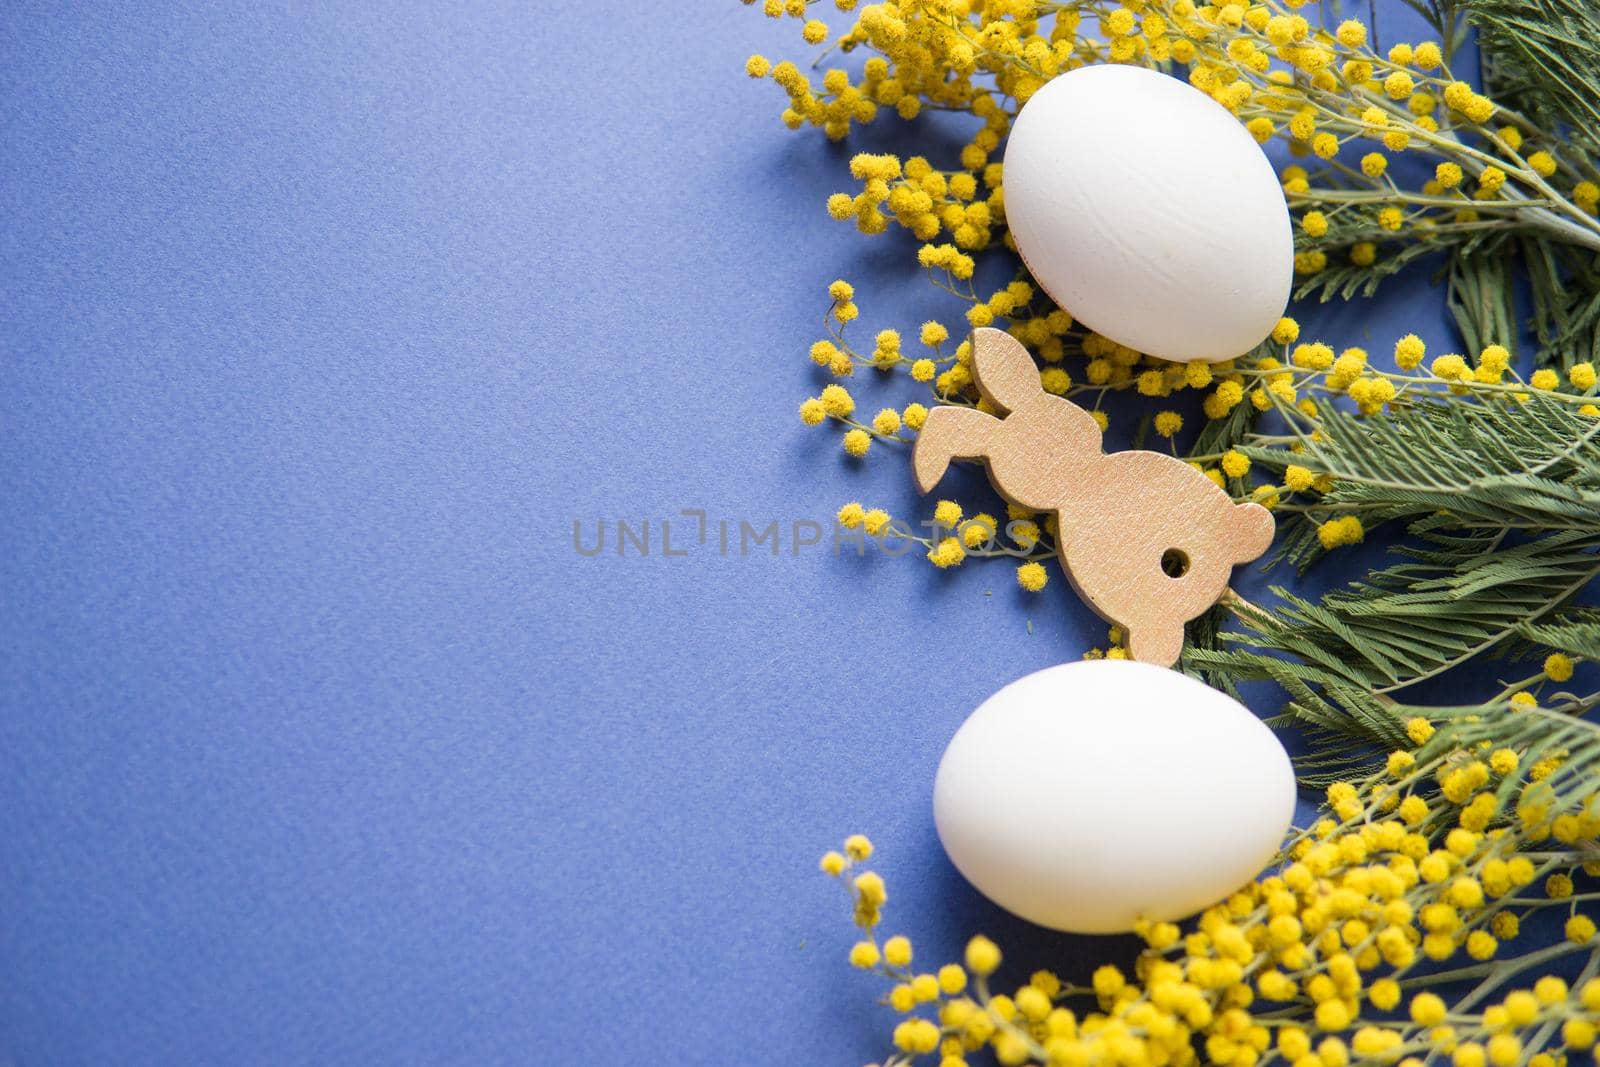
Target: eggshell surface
pixel 1145 209
pixel 1085 796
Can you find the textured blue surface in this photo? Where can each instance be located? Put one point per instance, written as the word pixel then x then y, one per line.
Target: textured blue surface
pixel 320 743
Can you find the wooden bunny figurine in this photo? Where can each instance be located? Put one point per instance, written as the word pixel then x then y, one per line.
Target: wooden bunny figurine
pixel 1147 540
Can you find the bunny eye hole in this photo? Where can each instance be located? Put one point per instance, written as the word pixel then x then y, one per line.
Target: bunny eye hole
pixel 1175 563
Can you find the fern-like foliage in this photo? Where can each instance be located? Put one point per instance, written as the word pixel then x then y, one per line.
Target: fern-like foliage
pixel 1502 504
pixel 1543 57
pixel 1346 281
pixel 1499 496
pixel 1445 17
pixel 1558 730
pixel 1565 284
pixel 1541 60
pixel 1481 294
pixel 1576 634
pixel 1520 469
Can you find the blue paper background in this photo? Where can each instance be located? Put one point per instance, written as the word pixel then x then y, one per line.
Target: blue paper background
pixel 320 743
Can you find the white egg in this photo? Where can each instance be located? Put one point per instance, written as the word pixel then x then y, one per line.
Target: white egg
pixel 1145 208
pixel 1085 796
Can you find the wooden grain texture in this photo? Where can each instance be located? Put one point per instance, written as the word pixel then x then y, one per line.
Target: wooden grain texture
pixel 1126 519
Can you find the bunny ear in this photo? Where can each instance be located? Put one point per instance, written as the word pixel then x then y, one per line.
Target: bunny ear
pixel 1004 371
pixel 950 432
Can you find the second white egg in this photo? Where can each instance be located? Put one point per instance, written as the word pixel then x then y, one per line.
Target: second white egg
pixel 1088 795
